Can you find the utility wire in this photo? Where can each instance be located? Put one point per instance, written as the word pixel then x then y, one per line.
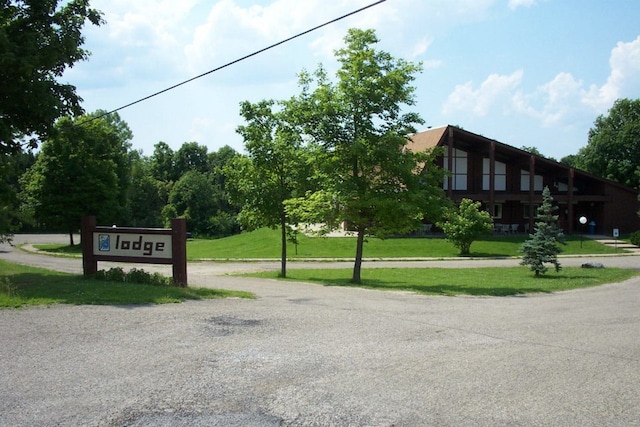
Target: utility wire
pixel 233 62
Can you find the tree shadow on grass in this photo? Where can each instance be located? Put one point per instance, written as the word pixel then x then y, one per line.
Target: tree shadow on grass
pixel 25 289
pixel 433 289
pixel 496 255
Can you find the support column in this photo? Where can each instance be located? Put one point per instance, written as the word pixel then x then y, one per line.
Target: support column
pixel 179 251
pixel 532 181
pixel 492 176
pixel 570 213
pixel 89 263
pixel 450 163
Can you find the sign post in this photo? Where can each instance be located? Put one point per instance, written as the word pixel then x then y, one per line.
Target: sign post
pixel 583 221
pixel 139 245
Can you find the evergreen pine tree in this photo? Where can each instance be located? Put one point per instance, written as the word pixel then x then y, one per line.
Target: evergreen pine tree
pixel 542 246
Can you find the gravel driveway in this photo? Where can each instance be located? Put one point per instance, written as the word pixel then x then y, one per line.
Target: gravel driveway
pixel 310 355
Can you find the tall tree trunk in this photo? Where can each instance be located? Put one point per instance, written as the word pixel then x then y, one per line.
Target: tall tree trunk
pixel 357 267
pixel 283 255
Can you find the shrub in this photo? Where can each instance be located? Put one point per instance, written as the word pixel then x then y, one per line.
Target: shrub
pixel 6 287
pixel 465 224
pixel 160 280
pixel 635 238
pixel 133 276
pixel 138 276
pixel 541 248
pixel 111 275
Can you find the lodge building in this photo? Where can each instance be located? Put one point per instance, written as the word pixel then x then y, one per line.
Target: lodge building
pixel 509 182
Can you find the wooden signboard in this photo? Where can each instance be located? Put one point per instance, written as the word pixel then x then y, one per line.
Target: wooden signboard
pixel 138 245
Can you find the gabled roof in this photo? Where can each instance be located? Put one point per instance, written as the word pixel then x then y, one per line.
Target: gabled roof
pixel 431 138
pixel 424 141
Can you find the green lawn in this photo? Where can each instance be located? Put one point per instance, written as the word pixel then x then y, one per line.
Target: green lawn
pixel 265 243
pixel 27 286
pixel 35 286
pixel 491 281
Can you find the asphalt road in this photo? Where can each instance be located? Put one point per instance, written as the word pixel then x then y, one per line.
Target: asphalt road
pixel 309 355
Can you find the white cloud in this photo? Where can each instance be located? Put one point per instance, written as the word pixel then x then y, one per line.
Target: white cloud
pixel 465 10
pixel 558 102
pixel 514 4
pixel 624 79
pixel 141 40
pixel 552 102
pixel 421 47
pixel 495 90
pixel 148 23
pixel 166 40
pixel 230 31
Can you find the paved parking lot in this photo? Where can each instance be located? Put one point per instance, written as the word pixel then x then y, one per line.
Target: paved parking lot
pixel 309 355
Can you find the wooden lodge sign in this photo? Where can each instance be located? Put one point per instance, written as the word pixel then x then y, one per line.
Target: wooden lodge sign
pixel 138 245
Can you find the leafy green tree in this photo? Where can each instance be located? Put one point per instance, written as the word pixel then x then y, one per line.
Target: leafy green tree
pixel 209 213
pixel 192 197
pixel 272 171
pixel 613 148
pixel 146 195
pixel 39 40
pixel 11 168
pixel 8 200
pixel 83 169
pixel 534 150
pixel 569 160
pixel 370 181
pixel 163 162
pixel 218 160
pixel 190 157
pixel 225 220
pixel 542 246
pixel 465 224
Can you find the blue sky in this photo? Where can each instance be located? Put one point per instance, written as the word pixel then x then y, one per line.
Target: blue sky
pixel 523 72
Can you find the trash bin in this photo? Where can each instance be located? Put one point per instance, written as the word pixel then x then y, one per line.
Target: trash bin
pixel 592 227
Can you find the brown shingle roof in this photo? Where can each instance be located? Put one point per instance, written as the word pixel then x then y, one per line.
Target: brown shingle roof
pixel 423 141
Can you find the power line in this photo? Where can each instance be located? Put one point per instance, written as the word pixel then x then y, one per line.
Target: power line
pixel 234 62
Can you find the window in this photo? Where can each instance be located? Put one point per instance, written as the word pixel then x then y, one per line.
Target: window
pixel 459 172
pixel 525 210
pixel 500 182
pixel 524 181
pixel 563 187
pixel 497 210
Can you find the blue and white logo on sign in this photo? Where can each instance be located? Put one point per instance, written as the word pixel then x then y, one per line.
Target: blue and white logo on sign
pixel 104 243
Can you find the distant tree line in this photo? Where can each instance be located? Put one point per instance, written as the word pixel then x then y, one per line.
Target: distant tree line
pixel 87 167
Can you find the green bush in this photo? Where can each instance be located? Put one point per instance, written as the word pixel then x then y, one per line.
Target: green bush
pixel 138 276
pixel 160 280
pixel 133 276
pixel 6 287
pixel 111 275
pixel 635 238
pixel 465 224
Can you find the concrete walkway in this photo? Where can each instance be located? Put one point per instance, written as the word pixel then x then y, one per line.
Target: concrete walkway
pixel 615 243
